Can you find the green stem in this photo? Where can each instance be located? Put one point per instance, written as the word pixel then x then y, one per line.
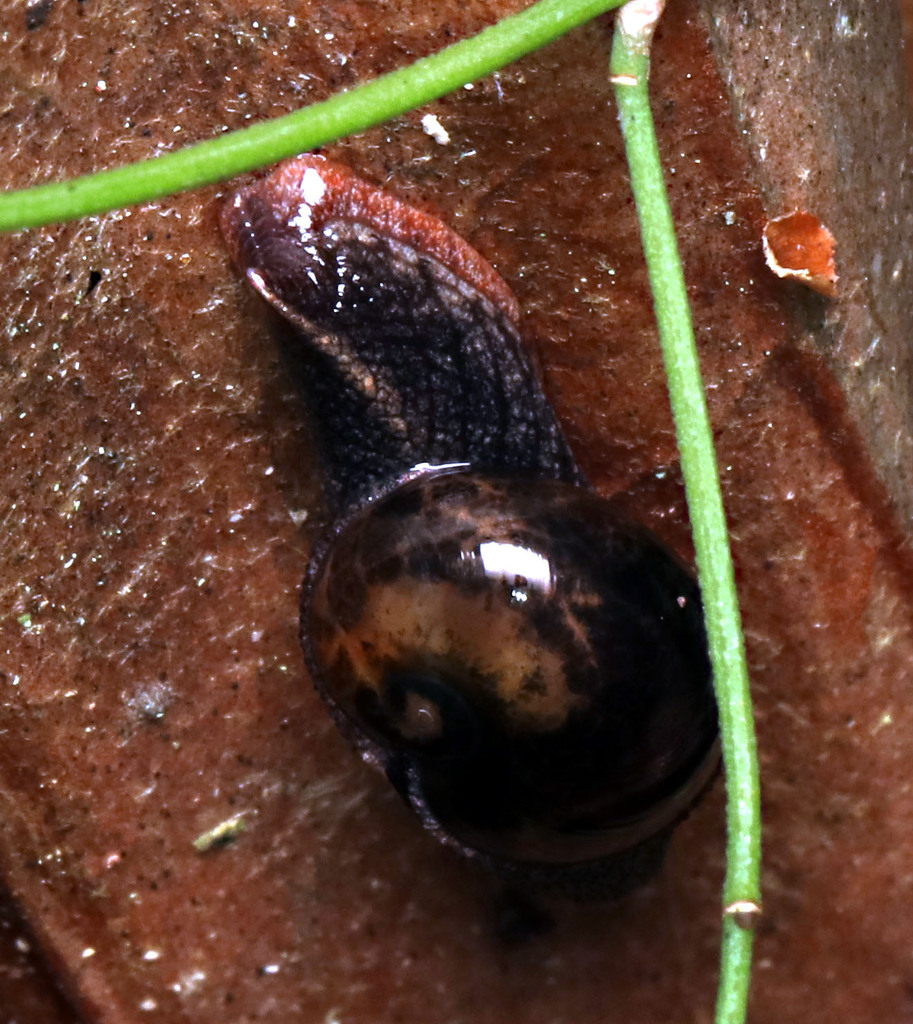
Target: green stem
pixel 321 123
pixel 630 69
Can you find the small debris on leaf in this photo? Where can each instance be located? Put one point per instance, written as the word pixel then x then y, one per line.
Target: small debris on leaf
pixel 798 246
pixel 223 834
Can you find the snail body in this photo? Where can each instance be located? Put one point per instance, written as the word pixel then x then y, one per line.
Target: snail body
pixel 526 663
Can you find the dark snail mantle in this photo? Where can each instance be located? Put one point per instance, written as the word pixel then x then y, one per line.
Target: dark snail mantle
pixel 527 664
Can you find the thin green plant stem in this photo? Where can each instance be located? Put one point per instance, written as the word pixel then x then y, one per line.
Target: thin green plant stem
pixel 629 69
pixel 267 142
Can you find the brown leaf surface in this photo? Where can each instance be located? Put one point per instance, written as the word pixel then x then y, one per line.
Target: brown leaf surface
pixel 159 498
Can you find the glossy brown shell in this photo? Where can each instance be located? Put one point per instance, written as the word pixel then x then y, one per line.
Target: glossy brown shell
pixel 527 663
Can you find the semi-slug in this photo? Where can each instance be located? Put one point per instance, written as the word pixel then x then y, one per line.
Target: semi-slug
pixel 526 663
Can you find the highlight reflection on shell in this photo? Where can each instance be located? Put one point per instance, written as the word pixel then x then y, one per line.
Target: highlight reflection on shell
pixel 521 658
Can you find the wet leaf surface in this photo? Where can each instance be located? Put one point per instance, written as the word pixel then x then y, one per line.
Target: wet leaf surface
pixel 159 499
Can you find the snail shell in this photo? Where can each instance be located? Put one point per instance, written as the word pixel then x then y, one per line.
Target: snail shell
pixel 526 663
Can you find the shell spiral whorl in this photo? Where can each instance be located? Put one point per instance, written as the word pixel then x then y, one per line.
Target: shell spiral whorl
pixel 526 663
